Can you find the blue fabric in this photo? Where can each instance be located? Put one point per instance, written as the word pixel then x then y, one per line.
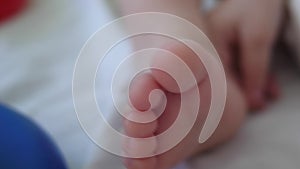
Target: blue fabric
pixel 23 145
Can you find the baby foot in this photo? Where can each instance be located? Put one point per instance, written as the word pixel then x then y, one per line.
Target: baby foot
pixel 140 89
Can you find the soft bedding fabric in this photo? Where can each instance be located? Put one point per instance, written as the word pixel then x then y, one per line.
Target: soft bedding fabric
pixel 38 50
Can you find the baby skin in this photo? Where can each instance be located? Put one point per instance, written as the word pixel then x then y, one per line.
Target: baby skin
pixel 233 116
pixel 237 102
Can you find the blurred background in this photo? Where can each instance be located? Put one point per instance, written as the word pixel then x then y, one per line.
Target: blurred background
pixel 39 43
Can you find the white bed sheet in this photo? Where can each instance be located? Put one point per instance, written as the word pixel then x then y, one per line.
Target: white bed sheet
pixel 38 52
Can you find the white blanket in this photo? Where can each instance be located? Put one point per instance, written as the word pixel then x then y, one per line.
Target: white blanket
pixel 38 50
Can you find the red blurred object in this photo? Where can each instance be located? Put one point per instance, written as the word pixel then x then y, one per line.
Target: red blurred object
pixel 9 8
